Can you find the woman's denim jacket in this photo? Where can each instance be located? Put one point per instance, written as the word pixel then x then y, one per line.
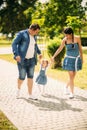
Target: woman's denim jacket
pixel 20 45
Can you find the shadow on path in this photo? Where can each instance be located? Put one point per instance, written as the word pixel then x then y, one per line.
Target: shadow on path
pixel 81 98
pixel 61 105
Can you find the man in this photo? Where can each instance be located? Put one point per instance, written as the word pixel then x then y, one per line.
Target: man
pixel 25 52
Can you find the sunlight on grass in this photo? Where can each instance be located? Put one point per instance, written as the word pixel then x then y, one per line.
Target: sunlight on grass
pixel 5 124
pixel 5 43
pixel 8 57
pixel 81 78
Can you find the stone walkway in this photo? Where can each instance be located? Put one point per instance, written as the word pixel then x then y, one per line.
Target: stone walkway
pixel 54 111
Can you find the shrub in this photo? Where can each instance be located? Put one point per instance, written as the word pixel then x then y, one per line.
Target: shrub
pixel 84 41
pixel 51 49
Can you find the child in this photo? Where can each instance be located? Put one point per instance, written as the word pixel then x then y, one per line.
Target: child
pixel 41 79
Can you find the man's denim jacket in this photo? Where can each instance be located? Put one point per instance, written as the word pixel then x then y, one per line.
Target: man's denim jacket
pixel 20 45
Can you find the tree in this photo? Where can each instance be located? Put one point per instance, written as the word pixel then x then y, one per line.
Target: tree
pixel 12 16
pixel 57 12
pixel 76 23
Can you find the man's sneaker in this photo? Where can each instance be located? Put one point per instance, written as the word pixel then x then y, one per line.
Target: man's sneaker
pixel 32 97
pixel 18 94
pixel 66 90
pixel 71 96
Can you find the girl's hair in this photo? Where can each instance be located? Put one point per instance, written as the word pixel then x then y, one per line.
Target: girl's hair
pixel 45 60
pixel 69 30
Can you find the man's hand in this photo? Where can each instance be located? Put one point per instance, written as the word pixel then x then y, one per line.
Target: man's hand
pixel 18 58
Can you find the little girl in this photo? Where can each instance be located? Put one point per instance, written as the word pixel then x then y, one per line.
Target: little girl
pixel 41 79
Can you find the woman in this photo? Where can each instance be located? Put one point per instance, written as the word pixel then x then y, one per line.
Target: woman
pixel 73 59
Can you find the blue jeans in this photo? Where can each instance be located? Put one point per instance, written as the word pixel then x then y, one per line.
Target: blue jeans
pixel 26 68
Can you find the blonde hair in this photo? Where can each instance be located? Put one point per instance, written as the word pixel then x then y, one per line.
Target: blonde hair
pixel 44 60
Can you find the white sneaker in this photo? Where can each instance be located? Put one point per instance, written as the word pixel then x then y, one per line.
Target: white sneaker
pixel 32 97
pixel 18 93
pixel 66 90
pixel 71 96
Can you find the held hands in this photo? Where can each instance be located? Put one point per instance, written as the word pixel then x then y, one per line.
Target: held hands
pixel 52 59
pixel 40 56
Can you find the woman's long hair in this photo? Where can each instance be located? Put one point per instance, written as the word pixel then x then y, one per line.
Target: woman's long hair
pixel 69 30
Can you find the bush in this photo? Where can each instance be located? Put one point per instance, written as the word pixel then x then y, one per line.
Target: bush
pixel 51 49
pixel 84 41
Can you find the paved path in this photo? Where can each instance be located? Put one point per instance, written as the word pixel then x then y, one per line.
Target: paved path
pixel 55 111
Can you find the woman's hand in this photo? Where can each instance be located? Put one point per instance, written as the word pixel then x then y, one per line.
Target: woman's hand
pixel 52 59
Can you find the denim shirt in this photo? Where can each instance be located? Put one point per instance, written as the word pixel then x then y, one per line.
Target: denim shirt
pixel 21 43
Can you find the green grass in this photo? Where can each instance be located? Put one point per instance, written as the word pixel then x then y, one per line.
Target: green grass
pixel 5 124
pixel 5 43
pixel 7 57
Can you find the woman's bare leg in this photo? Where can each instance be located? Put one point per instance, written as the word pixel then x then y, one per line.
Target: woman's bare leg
pixel 71 80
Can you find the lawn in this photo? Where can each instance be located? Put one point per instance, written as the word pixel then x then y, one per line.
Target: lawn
pixel 4 42
pixel 5 124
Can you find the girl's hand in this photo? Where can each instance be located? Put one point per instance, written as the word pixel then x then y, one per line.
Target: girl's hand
pixel 40 56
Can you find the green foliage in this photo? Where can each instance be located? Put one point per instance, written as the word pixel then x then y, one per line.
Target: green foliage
pixel 84 41
pixel 76 23
pixel 1 2
pixel 57 12
pixel 17 15
pixel 51 49
pixel 73 21
pixel 13 17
